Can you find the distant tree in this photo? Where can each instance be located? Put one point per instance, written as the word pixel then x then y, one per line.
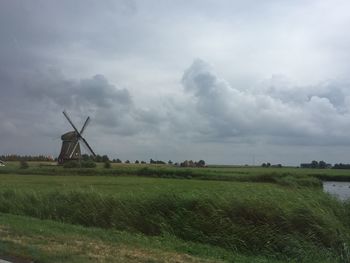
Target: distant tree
pixel 98 158
pixel 137 162
pixel 322 164
pixel 268 164
pixel 143 162
pixel 118 161
pixel 107 164
pixel 151 161
pixel 314 164
pixel 341 166
pixel 23 164
pixel 15 157
pixel 184 163
pixel 263 165
pixel 127 161
pixel 200 163
pixel 170 162
pixel 305 165
pixel 104 158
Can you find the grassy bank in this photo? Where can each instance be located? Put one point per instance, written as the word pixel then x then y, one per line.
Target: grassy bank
pixel 28 239
pixel 260 219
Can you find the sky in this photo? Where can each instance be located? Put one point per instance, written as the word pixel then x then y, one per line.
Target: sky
pixel 226 81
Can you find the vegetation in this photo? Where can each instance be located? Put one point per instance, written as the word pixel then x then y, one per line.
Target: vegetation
pixel 88 164
pixel 82 164
pixel 235 214
pixel 283 176
pixel 191 163
pixel 71 243
pixel 16 157
pixel 316 165
pixel 23 164
pixel 107 165
pixel 71 164
pixel 341 166
pixel 151 161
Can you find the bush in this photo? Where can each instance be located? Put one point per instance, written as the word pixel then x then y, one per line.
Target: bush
pixel 23 165
pixel 88 164
pixel 107 165
pixel 71 164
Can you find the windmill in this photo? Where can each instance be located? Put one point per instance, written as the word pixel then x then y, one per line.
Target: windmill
pixel 70 149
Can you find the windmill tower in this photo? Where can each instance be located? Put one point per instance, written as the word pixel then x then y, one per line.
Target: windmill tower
pixel 70 149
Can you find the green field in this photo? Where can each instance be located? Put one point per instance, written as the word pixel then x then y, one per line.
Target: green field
pixel 144 213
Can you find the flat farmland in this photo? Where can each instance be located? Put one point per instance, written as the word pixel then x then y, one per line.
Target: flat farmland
pixel 214 214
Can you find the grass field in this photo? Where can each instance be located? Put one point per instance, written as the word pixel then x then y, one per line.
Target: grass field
pixel 143 213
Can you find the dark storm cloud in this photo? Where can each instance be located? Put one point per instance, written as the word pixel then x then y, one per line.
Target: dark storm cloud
pixel 94 92
pixel 112 107
pixel 33 106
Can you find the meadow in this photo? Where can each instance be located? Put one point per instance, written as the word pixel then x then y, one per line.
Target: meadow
pixel 158 213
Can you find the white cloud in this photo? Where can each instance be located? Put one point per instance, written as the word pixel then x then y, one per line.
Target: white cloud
pixel 230 112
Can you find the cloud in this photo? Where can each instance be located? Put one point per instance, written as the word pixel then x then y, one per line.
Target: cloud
pixel 234 113
pixel 121 62
pixel 89 94
pixel 42 95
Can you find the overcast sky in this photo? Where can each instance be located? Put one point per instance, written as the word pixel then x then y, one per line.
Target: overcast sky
pixel 230 82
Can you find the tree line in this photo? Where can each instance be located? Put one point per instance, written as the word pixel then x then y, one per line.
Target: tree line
pixel 323 165
pixel 316 164
pixel 187 163
pixel 37 158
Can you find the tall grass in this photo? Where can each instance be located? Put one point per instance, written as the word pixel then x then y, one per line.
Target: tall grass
pixel 276 176
pixel 288 224
pixel 279 212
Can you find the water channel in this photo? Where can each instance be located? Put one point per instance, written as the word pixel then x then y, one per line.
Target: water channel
pixel 339 189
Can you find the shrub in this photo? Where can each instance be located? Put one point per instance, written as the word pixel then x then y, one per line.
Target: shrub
pixel 88 164
pixel 107 165
pixel 71 164
pixel 23 165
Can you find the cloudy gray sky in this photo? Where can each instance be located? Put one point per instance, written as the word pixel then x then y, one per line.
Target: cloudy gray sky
pixel 230 82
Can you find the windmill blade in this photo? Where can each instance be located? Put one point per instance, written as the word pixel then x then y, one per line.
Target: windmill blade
pixel 71 123
pixel 73 149
pixel 88 146
pixel 84 126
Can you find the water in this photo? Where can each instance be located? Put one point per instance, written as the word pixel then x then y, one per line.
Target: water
pixel 338 189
